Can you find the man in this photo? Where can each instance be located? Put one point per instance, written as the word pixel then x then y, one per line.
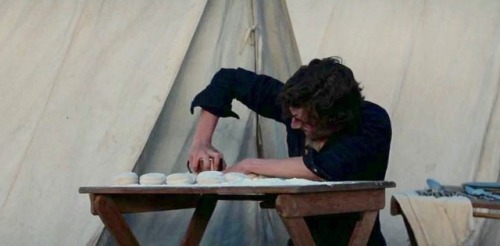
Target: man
pixel 333 134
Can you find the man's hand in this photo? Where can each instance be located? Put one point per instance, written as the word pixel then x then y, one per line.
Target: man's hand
pixel 204 157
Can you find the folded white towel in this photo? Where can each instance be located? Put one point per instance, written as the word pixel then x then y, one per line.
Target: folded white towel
pixel 437 221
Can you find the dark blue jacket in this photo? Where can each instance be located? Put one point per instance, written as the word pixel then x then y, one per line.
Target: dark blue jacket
pixel 360 154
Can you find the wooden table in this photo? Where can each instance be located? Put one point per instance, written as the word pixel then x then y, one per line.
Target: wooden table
pixel 292 203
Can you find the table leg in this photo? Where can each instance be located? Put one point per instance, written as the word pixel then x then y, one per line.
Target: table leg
pixel 363 228
pixel 298 230
pixel 301 205
pixel 114 220
pixel 199 221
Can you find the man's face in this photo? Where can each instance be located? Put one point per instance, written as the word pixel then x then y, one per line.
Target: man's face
pixel 299 121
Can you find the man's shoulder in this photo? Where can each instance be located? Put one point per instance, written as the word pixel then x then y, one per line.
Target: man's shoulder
pixel 237 70
pixel 372 112
pixel 373 108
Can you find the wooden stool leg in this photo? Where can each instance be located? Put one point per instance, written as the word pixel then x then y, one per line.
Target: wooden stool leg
pixel 298 230
pixel 199 221
pixel 363 228
pixel 114 221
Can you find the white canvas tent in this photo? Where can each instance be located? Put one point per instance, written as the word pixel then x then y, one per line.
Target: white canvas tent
pixel 94 88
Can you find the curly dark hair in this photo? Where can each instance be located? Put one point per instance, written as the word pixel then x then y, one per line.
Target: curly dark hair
pixel 329 94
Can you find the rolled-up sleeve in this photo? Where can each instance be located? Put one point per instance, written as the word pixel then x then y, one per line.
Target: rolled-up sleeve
pixel 360 156
pixel 258 92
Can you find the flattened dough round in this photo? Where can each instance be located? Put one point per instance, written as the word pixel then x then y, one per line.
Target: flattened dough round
pixel 210 177
pixel 127 178
pixel 180 179
pixel 152 179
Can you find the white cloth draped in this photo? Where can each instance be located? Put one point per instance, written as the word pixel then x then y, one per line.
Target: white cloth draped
pixel 437 221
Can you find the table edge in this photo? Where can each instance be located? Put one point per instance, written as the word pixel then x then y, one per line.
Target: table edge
pixel 257 190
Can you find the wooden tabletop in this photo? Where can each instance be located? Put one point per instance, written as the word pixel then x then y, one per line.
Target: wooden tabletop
pixel 239 190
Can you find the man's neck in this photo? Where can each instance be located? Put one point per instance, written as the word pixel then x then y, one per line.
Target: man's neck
pixel 315 144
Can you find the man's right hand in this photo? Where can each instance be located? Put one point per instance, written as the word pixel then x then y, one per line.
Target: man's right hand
pixel 202 156
pixel 202 151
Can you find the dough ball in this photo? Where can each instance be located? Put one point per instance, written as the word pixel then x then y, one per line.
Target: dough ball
pixel 127 178
pixel 235 177
pixel 180 179
pixel 210 177
pixel 152 179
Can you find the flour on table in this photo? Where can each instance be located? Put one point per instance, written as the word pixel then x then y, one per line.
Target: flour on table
pixel 208 178
pixel 235 177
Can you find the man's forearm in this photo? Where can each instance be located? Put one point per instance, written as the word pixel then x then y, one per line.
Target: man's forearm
pixel 205 128
pixel 284 168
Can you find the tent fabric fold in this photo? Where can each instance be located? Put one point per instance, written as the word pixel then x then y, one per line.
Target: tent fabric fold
pixel 83 84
